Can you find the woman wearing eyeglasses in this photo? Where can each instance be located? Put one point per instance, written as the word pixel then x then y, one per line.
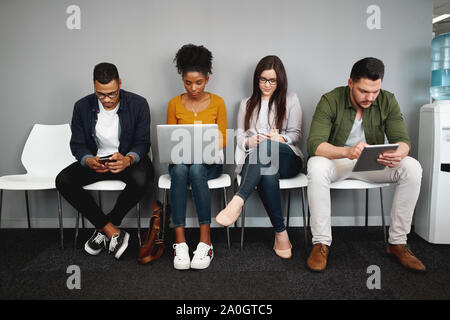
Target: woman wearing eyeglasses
pixel 269 132
pixel 196 105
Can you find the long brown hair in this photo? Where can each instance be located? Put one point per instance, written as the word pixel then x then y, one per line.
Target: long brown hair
pixel 278 98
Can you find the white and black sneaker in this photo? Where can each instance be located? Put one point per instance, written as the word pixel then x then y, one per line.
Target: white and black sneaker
pixel 96 243
pixel 202 256
pixel 119 243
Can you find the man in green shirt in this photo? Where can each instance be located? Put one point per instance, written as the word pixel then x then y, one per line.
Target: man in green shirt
pixel 345 121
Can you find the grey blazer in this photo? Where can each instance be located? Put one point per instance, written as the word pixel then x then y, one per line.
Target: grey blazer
pixel 291 129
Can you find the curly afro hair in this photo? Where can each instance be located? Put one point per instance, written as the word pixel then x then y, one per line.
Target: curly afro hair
pixel 193 58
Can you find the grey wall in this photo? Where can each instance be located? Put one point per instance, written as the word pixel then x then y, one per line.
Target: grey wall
pixel 45 68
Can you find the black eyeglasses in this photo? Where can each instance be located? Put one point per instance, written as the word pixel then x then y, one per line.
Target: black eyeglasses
pixel 263 80
pixel 110 95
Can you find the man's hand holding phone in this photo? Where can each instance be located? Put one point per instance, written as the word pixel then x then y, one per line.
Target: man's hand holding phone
pixel 96 165
pixel 117 163
pixel 114 163
pixel 105 159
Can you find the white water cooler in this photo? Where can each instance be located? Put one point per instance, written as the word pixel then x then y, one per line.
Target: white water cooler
pixel 432 216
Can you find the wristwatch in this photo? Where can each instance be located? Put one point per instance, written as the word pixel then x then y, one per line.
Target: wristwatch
pixel 131 160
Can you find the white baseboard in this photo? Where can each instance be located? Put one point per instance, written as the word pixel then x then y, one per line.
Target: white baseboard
pixel 192 222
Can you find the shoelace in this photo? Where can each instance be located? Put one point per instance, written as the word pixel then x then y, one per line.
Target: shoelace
pixel 203 252
pixel 322 250
pixel 99 238
pixel 407 250
pixel 113 244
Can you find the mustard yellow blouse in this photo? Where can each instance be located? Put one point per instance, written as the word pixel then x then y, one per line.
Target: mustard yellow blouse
pixel 215 113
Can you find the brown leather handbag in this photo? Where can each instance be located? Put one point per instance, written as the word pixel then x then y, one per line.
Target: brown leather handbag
pixel 153 247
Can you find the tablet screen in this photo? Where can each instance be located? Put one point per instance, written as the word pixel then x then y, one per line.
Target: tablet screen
pixel 367 161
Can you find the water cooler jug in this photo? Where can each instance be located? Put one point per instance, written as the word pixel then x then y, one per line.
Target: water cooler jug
pixel 432 217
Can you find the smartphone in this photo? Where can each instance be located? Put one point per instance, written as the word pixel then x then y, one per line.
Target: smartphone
pixel 105 159
pixel 264 135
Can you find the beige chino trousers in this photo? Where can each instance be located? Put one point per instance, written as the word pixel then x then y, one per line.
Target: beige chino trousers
pixel 323 171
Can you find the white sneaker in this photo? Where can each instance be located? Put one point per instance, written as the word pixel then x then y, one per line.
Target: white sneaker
pixel 202 256
pixel 181 260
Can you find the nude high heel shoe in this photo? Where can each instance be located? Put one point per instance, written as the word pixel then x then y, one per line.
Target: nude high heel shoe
pixel 283 253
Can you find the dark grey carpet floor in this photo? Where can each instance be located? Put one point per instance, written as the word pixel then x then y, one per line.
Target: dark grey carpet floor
pixel 33 266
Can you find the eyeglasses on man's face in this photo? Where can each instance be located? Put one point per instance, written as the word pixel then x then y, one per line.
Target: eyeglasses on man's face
pixel 111 95
pixel 263 80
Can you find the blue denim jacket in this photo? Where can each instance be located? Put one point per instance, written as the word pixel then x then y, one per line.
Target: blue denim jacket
pixel 134 126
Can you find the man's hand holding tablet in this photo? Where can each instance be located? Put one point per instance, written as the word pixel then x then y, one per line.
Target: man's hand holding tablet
pixel 391 158
pixel 376 157
pixel 355 151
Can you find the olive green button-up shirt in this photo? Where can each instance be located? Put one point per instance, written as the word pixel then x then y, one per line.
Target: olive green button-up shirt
pixel 335 114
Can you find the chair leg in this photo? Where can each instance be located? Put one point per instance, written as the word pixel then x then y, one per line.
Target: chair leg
pixel 164 214
pixel 138 218
pixel 242 227
pixel 309 218
pixel 235 187
pixel 228 228
pixel 1 202
pixel 305 229
pixel 288 208
pixel 382 217
pixel 61 229
pixel 367 207
pixel 100 200
pixel 77 224
pixel 100 205
pixel 28 209
pixel 309 213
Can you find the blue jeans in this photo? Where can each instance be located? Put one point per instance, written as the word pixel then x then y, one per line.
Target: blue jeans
pixel 265 174
pixel 197 175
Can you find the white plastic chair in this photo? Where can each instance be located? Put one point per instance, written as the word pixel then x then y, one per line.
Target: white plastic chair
pixel 356 184
pixel 222 182
pixel 110 185
pixel 45 154
pixel 300 181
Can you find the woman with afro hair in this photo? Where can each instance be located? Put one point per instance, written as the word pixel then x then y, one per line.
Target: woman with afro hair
pixel 194 64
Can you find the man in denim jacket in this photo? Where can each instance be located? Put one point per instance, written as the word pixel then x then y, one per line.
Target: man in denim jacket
pixel 111 140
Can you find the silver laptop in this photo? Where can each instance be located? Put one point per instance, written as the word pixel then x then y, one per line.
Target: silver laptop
pixel 188 143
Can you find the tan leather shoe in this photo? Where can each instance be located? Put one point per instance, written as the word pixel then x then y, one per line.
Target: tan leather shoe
pixel 317 260
pixel 404 254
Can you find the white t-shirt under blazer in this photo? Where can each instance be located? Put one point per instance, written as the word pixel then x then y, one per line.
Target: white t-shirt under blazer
pixel 107 131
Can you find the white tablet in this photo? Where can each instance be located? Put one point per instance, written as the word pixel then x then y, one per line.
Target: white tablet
pixel 367 161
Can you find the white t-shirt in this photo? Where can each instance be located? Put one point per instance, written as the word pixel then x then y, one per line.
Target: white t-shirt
pixel 263 125
pixel 356 135
pixel 107 131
